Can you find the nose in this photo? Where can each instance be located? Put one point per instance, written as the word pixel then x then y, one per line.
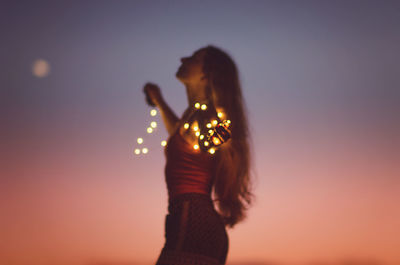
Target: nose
pixel 183 59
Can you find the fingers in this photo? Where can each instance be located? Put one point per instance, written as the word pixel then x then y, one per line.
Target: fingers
pixel 153 93
pixel 151 86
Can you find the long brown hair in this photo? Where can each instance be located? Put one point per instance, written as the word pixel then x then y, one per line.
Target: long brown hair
pixel 232 185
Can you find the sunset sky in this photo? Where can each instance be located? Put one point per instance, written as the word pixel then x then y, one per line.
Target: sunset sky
pixel 321 82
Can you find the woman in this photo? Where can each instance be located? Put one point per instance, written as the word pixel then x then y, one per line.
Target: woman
pixel 207 155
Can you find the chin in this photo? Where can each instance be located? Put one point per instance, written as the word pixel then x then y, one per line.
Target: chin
pixel 179 75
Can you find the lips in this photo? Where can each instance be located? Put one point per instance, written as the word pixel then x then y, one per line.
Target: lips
pixel 181 68
pixel 180 71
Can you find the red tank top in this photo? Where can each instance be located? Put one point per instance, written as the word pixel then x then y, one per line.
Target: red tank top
pixel 186 169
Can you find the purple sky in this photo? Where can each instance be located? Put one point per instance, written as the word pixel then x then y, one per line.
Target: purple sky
pixel 321 81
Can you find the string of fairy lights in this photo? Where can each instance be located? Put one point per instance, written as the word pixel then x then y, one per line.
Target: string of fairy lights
pixel 210 135
pixel 142 149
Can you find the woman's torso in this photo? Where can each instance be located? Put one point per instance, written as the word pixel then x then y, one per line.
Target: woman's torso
pixel 187 169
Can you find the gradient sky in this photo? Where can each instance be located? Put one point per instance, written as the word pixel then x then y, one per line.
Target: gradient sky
pixel 321 81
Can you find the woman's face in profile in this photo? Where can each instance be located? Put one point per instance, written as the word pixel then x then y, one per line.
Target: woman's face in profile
pixel 191 70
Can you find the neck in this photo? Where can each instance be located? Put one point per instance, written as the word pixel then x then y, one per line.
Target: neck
pixel 194 97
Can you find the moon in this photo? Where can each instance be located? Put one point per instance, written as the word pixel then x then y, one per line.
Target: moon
pixel 40 68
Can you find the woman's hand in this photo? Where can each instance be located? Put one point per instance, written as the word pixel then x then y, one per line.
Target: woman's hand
pixel 153 94
pixel 154 98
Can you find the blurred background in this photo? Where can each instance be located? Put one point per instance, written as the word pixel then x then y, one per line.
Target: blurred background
pixel 321 81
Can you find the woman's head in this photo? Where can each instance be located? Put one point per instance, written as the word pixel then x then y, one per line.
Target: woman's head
pixel 211 74
pixel 215 72
pixel 191 70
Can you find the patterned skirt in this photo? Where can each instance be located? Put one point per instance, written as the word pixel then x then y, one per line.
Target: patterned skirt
pixel 194 232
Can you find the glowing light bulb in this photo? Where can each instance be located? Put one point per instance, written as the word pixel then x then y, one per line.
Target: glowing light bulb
pixel 139 140
pixel 153 124
pixel 145 150
pixel 209 125
pixel 197 105
pixel 149 130
pixel 206 143
pixel 164 143
pixel 195 128
pixel 220 114
pixel 196 146
pixel 153 112
pixel 215 122
pixel 216 141
pixel 197 133
pixel 201 137
pixel 186 125
pixel 204 107
pixel 210 131
pixel 212 150
pixel 137 151
pixel 228 121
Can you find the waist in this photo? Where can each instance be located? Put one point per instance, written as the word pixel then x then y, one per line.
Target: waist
pixel 182 194
pixel 175 202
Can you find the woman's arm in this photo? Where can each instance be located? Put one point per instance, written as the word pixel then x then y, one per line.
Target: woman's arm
pixel 155 98
pixel 168 116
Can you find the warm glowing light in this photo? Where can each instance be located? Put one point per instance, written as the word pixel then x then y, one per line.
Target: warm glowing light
pixel 212 150
pixel 215 122
pixel 40 68
pixel 145 150
pixel 197 105
pixel 149 130
pixel 197 133
pixel 153 112
pixel 153 124
pixel 139 140
pixel 210 131
pixel 220 114
pixel 196 146
pixel 186 125
pixel 228 121
pixel 195 128
pixel 206 143
pixel 164 143
pixel 201 137
pixel 209 125
pixel 137 151
pixel 204 107
pixel 216 141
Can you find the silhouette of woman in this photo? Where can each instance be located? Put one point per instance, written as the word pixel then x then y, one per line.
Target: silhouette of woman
pixel 196 171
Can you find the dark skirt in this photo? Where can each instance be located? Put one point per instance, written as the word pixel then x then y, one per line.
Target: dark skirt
pixel 194 232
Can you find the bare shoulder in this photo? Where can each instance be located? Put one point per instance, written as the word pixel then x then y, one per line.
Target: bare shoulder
pixel 178 125
pixel 186 132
